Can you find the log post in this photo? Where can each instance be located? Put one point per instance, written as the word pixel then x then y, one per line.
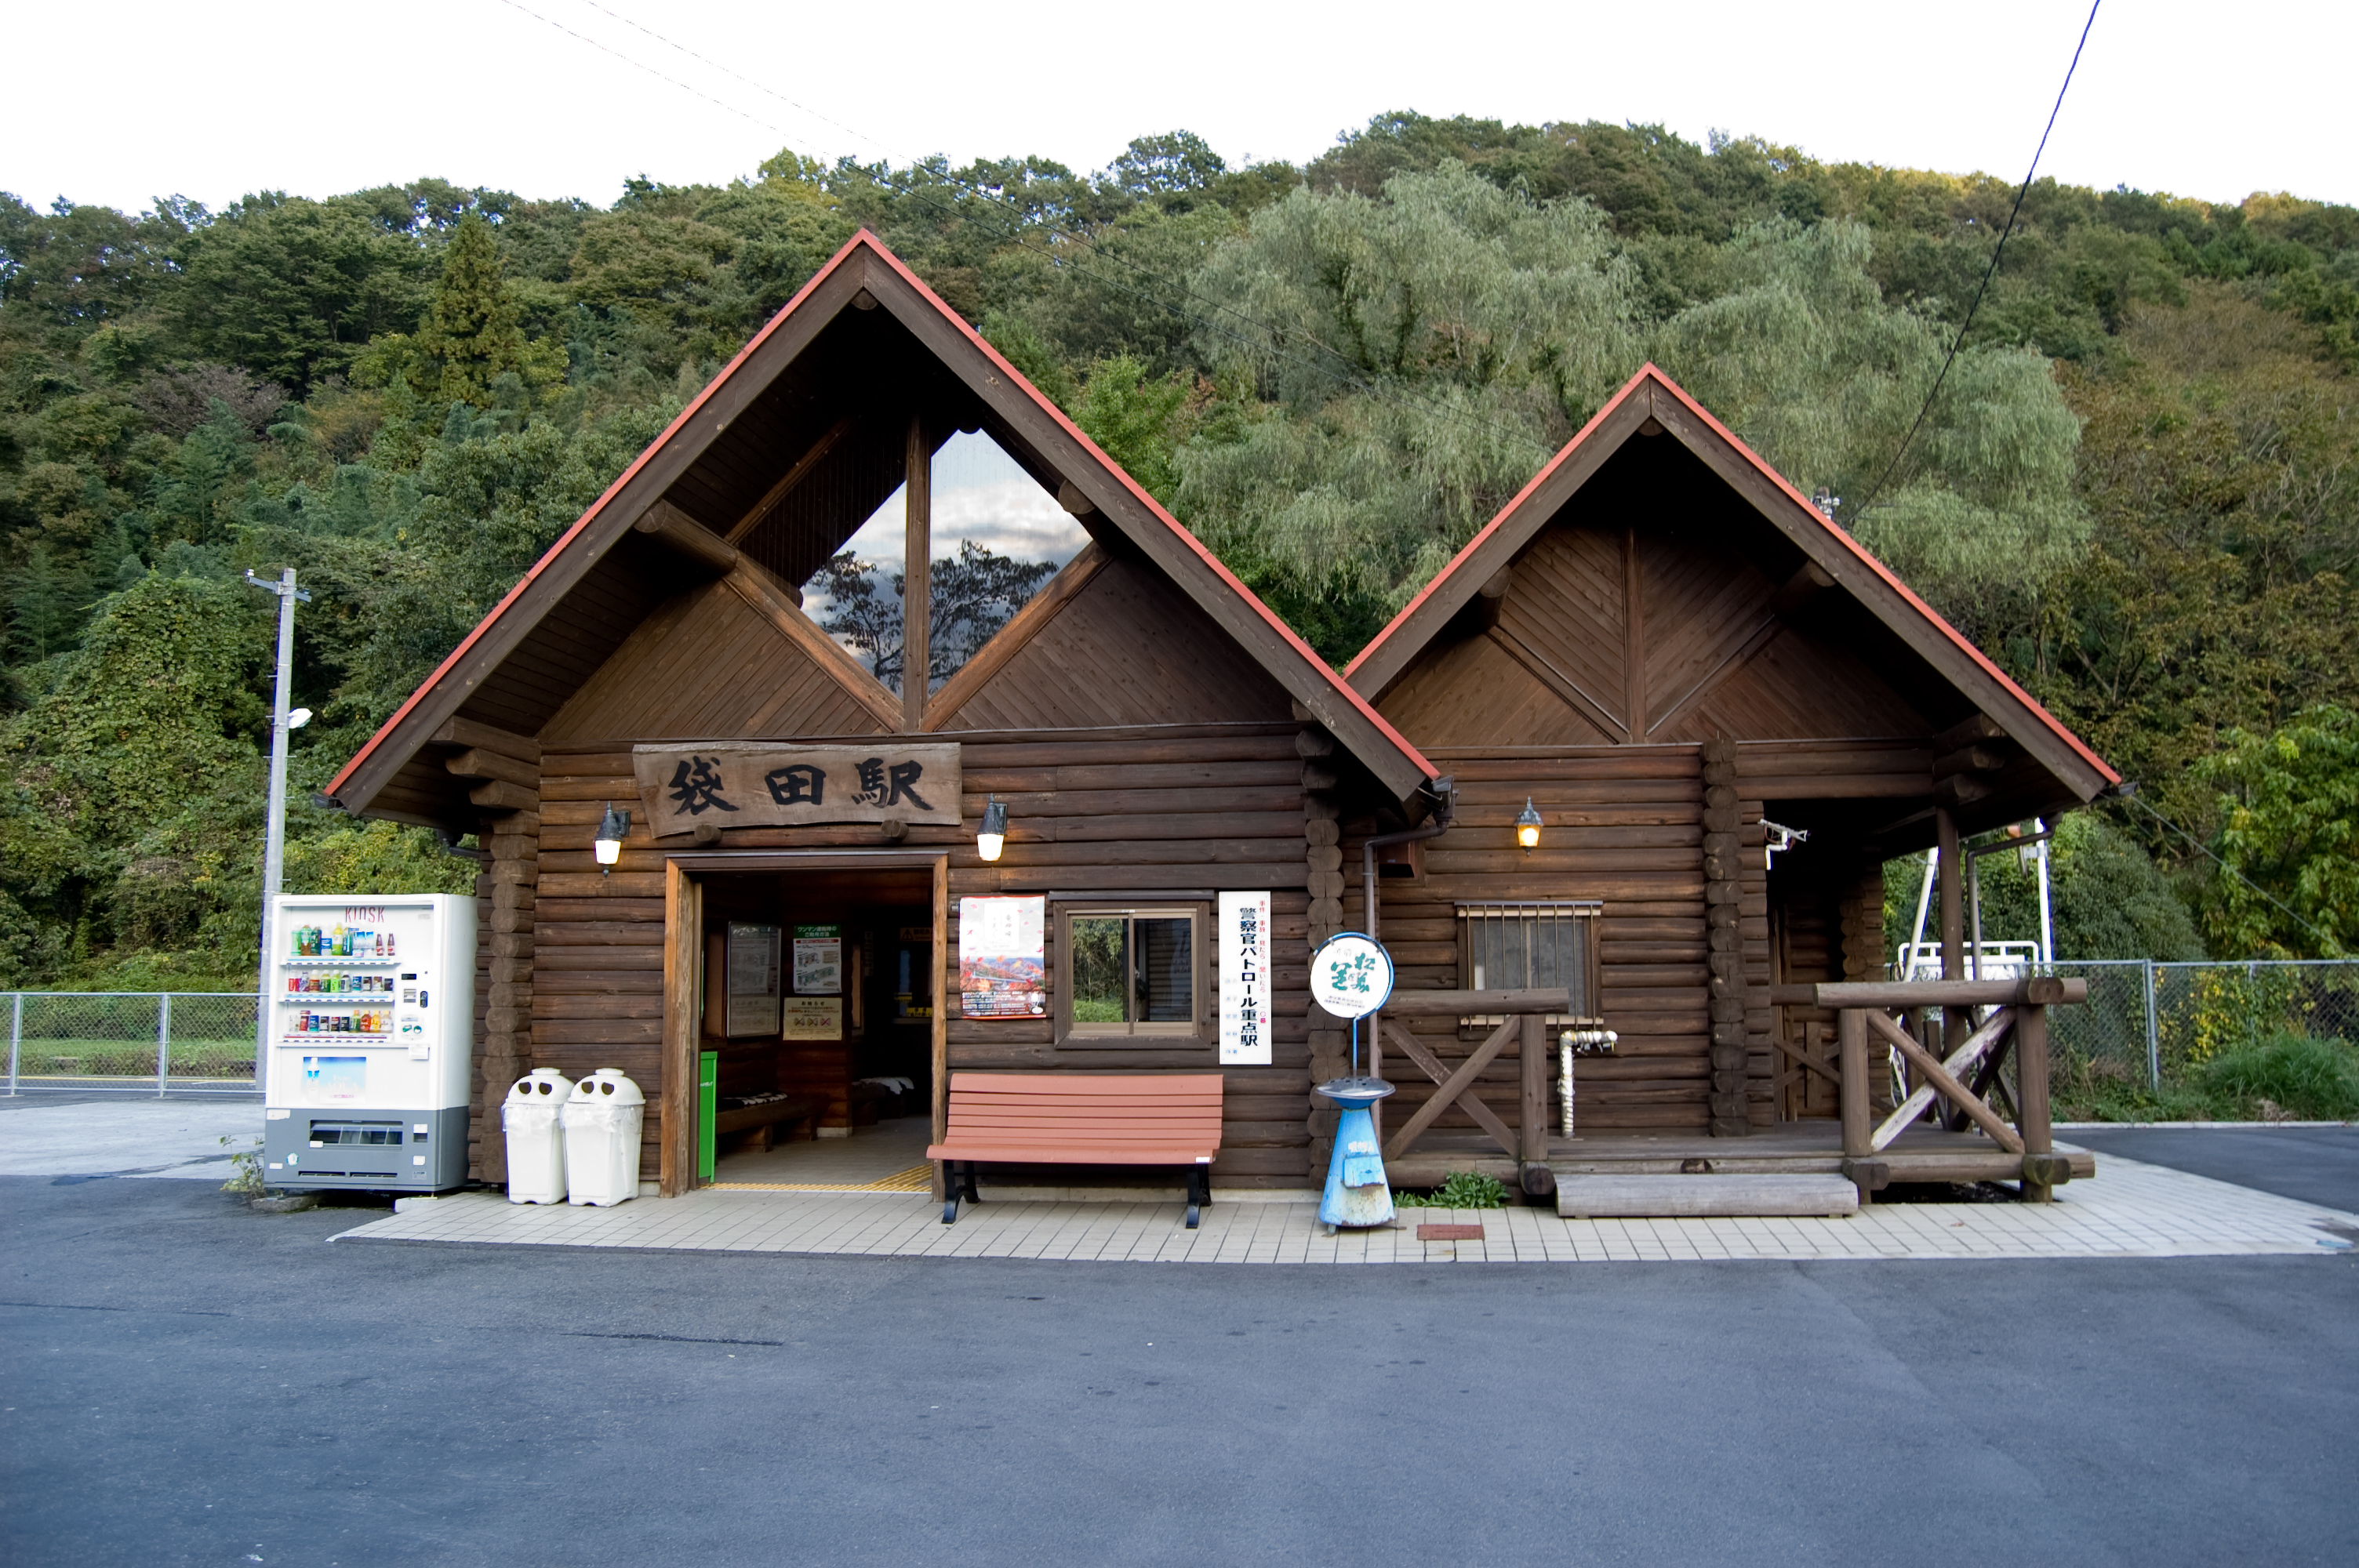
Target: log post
pixel 1532 1131
pixel 917 564
pixel 683 946
pixel 1723 899
pixel 1956 1022
pixel 1851 1039
pixel 2031 1112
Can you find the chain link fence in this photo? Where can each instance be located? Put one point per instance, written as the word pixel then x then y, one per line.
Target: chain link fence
pixel 154 1041
pixel 2154 1025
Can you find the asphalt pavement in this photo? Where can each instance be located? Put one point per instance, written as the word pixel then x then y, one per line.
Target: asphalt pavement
pixel 2311 1164
pixel 187 1382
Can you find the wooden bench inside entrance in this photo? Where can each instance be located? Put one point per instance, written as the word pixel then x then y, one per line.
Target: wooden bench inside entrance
pixel 1073 1119
pixel 761 1120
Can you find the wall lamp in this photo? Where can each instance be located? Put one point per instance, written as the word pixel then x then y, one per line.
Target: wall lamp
pixel 1527 826
pixel 993 836
pixel 613 829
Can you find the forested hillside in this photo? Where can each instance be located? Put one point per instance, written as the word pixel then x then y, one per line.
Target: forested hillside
pixel 2135 488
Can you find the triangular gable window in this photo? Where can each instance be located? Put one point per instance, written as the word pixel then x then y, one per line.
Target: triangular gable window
pixel 997 538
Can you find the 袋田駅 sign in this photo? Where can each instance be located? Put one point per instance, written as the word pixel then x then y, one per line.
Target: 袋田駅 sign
pixel 757 784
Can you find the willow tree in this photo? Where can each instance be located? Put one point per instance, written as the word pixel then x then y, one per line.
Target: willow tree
pixel 1801 354
pixel 1394 370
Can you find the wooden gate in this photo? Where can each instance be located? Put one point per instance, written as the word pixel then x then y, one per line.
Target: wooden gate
pixel 1525 1027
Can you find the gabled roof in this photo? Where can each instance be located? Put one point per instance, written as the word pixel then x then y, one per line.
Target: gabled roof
pixel 1650 398
pixel 865 277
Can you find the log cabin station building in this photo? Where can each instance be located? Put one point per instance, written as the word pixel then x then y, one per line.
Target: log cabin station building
pixel 1659 649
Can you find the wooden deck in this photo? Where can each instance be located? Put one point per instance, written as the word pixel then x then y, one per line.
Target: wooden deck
pixel 1920 1155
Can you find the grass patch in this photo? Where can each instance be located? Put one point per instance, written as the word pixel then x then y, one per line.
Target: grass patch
pixel 1460 1189
pixel 2287 1077
pixel 2290 1076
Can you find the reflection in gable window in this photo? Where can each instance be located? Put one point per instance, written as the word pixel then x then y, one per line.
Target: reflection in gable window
pixel 998 537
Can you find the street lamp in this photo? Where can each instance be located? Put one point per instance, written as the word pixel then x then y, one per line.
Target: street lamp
pixel 1528 826
pixel 274 818
pixel 993 836
pixel 613 829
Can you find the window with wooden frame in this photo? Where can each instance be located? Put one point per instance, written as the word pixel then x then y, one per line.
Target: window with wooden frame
pixel 1131 975
pixel 1510 946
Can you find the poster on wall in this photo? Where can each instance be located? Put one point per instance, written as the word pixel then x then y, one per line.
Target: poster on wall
pixel 819 960
pixel 813 1017
pixel 753 956
pixel 1001 950
pixel 1245 957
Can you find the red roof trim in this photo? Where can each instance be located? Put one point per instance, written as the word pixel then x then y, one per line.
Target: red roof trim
pixel 595 507
pixel 1015 378
pixel 1564 453
pixel 1138 492
pixel 1649 374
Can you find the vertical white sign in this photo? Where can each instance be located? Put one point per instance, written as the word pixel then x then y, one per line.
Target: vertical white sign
pixel 1245 957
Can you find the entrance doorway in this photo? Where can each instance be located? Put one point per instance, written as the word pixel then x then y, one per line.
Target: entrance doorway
pixel 814 1046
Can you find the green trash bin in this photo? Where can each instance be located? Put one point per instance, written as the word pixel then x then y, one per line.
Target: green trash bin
pixel 707 1106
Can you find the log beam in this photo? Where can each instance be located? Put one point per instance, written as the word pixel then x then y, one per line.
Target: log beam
pixel 670 526
pixel 2037 991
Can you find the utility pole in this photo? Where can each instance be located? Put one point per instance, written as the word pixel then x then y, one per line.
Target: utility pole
pixel 274 834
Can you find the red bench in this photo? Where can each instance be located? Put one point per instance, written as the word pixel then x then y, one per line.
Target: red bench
pixel 1073 1118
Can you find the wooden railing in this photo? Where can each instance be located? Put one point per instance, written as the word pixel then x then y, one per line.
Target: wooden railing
pixel 1526 1026
pixel 1967 1079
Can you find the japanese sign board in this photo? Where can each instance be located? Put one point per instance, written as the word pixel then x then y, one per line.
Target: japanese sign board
pixel 1245 957
pixel 1001 950
pixel 812 1018
pixel 1350 975
pixel 752 956
pixel 1244 979
pixel 759 783
pixel 819 960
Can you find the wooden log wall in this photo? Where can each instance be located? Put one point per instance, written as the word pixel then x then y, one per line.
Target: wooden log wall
pixel 504 771
pixel 1829 927
pixel 1213 808
pixel 1139 813
pixel 1624 825
pixel 1736 918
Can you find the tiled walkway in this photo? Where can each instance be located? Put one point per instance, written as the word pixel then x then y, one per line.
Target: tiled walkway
pixel 2132 1211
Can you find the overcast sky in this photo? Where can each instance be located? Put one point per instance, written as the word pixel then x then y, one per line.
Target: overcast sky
pixel 213 101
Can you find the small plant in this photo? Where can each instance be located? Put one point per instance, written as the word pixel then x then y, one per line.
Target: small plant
pixel 1460 1189
pixel 245 1165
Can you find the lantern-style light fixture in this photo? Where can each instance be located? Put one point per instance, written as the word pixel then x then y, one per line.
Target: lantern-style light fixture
pixel 613 829
pixel 993 836
pixel 1528 826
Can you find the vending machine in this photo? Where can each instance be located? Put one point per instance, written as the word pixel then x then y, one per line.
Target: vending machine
pixel 371 1026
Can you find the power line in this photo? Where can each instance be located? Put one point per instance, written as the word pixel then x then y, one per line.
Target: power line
pixel 2323 938
pixel 1276 336
pixel 1988 273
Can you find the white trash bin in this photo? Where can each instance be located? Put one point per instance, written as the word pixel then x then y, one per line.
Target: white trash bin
pixel 532 1118
pixel 601 1138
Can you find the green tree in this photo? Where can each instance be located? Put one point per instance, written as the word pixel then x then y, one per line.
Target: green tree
pixel 1424 351
pixel 1803 358
pixel 293 289
pixel 470 336
pixel 2289 839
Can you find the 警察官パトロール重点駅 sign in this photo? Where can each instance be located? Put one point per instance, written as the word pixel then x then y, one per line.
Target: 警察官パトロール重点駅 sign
pixel 757 784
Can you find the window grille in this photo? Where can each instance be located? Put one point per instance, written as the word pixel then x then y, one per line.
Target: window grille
pixel 1510 946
